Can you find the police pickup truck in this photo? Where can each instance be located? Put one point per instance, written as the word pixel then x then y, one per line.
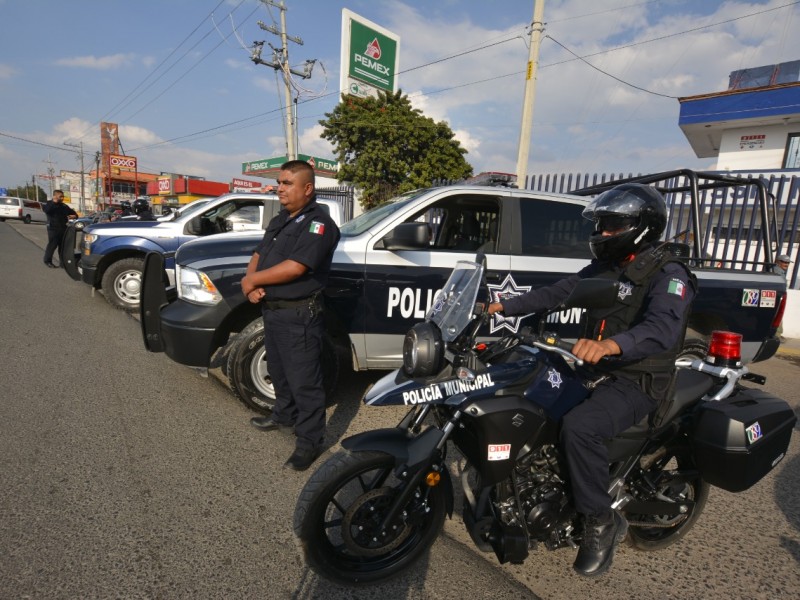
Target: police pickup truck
pixel 392 260
pixel 110 256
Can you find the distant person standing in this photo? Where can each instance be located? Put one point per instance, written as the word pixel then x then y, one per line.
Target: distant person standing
pixel 782 263
pixel 58 215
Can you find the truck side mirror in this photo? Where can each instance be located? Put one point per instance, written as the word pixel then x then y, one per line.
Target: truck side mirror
pixel 408 236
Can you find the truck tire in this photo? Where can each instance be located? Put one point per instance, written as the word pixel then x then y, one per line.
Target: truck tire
pixel 122 283
pixel 26 219
pixel 248 374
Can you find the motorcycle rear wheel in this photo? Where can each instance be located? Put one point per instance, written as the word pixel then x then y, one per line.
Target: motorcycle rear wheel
pixel 666 530
pixel 339 510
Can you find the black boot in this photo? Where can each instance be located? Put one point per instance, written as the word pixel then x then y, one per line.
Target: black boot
pixel 601 535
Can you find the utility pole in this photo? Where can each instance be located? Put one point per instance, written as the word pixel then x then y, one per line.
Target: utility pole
pixel 537 27
pixel 280 61
pixel 81 206
pixel 97 203
pixel 51 173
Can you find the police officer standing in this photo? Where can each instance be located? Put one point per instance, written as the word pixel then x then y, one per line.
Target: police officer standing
pixel 58 214
pixel 287 274
pixel 640 336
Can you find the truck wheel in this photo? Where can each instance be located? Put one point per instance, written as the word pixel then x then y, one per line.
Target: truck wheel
pixel 122 283
pixel 248 372
pixel 26 219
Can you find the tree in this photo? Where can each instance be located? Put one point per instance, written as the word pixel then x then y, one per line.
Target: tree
pixel 28 192
pixel 386 147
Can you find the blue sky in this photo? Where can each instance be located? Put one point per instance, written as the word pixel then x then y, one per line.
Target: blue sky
pixel 176 76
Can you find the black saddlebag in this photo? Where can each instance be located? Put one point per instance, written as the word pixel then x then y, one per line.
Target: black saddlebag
pixel 737 441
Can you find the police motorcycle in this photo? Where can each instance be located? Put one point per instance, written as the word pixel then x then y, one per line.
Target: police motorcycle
pixel 376 506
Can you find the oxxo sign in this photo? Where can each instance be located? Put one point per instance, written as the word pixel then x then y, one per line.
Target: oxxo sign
pixel 165 185
pixel 123 162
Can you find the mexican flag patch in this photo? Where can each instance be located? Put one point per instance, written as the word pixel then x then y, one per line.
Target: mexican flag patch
pixel 317 227
pixel 677 287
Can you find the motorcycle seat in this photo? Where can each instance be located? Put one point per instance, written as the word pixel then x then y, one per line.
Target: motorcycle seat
pixel 690 386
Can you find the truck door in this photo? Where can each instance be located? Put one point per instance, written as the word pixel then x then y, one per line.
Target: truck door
pixel 400 285
pixel 550 241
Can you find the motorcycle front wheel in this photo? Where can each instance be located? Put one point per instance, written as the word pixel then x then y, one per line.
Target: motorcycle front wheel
pixel 339 512
pixel 658 482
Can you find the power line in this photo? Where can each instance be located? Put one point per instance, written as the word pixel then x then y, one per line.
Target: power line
pixel 190 69
pixel 155 70
pixel 586 62
pixel 498 77
pixel 35 143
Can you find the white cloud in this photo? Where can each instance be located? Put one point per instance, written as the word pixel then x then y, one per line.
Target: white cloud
pixel 6 71
pixel 101 63
pixel 313 144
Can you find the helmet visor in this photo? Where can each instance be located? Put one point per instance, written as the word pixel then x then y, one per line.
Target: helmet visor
pixel 613 224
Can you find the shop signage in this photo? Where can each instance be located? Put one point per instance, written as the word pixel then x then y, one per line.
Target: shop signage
pixel 123 162
pixel 369 56
pixel 752 142
pixel 270 167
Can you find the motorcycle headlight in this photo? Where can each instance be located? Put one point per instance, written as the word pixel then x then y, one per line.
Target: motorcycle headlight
pixel 195 286
pixel 423 350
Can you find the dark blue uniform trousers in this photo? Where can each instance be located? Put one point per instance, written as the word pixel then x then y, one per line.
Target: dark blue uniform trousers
pixel 293 342
pixel 613 407
pixel 54 238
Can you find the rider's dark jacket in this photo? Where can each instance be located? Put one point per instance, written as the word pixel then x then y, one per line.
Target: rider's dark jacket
pixel 648 320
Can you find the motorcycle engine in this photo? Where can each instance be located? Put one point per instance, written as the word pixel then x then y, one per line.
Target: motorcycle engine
pixel 542 495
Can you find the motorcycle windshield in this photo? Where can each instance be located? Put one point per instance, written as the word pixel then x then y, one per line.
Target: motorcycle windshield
pixel 452 308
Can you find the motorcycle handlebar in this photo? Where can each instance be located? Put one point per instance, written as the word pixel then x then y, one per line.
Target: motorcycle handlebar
pixel 559 347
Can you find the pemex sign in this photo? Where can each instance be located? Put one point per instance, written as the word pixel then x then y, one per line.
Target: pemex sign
pixel 270 167
pixel 369 58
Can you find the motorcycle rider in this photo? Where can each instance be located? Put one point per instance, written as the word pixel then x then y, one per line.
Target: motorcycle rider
pixel 141 209
pixel 641 335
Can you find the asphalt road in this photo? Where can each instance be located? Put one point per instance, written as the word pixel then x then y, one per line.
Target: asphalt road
pixel 126 475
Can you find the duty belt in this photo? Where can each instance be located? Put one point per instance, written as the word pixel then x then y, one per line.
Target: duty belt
pixel 309 301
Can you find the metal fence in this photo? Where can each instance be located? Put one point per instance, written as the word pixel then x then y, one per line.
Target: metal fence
pixel 730 228
pixel 343 194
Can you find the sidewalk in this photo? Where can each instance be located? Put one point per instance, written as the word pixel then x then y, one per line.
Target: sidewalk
pixel 791 347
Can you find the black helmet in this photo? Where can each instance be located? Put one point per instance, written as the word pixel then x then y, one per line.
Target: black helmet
pixel 125 204
pixel 140 205
pixel 635 214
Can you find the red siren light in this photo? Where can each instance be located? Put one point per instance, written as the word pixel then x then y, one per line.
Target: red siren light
pixel 725 349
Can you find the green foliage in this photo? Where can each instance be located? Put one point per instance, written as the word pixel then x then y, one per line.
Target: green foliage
pixel 386 147
pixel 28 192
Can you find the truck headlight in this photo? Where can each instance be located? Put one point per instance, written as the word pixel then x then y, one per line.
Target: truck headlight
pixel 195 286
pixel 86 242
pixel 423 350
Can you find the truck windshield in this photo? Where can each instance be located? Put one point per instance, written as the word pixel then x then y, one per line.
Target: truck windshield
pixel 366 220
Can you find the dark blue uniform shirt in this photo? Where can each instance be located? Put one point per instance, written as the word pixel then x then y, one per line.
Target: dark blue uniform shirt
pixel 668 296
pixel 310 239
pixel 57 214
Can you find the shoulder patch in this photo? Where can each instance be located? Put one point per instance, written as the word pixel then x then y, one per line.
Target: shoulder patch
pixel 317 227
pixel 677 287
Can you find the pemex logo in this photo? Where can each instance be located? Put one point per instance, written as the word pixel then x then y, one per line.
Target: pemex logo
pixel 373 49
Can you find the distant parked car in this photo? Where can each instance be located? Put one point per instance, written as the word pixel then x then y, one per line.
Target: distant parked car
pixel 21 209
